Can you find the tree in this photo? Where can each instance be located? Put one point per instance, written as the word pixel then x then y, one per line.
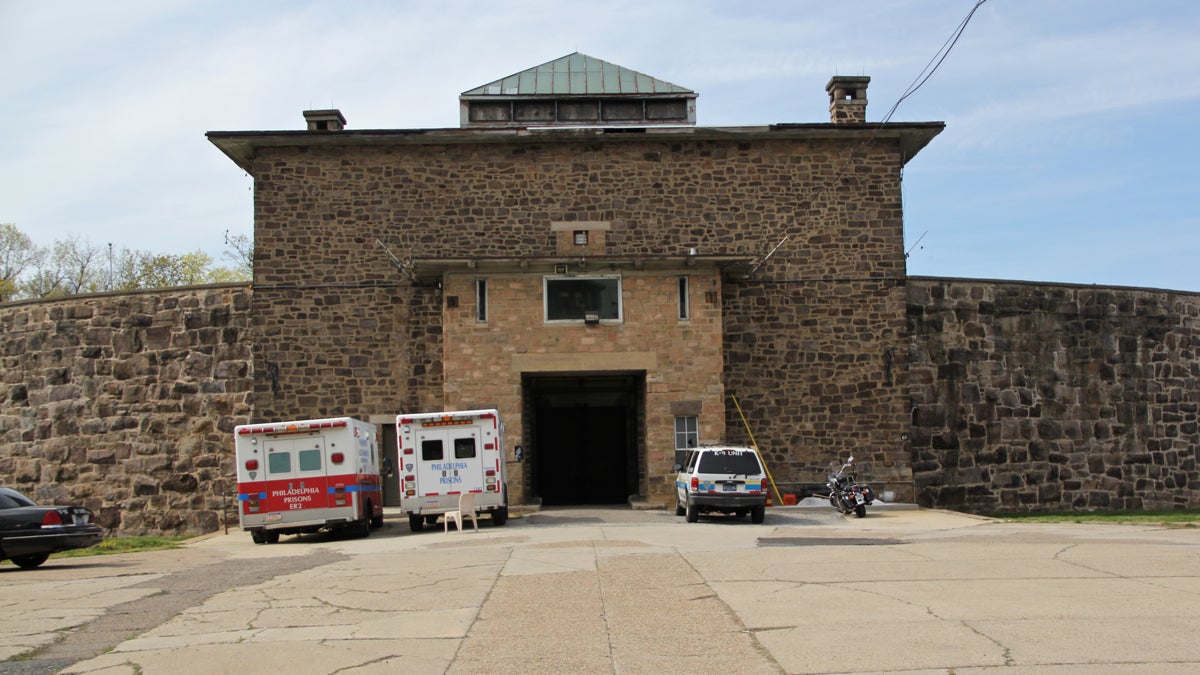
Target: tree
pixel 17 253
pixel 69 267
pixel 240 249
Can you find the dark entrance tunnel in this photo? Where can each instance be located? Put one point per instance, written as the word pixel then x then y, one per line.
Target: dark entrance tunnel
pixel 584 432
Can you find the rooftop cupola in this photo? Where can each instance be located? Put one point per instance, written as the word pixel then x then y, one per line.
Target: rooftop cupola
pixel 577 90
pixel 847 99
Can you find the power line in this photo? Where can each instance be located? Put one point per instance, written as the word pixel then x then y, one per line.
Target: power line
pixel 919 81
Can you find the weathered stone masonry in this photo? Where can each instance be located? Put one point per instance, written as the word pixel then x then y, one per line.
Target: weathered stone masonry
pixel 1051 397
pixel 127 403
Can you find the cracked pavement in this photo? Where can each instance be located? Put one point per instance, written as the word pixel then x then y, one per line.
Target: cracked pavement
pixel 613 590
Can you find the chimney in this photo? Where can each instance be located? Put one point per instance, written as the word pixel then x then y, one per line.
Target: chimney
pixel 847 99
pixel 325 120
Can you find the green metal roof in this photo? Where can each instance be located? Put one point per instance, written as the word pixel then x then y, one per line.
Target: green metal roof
pixel 577 75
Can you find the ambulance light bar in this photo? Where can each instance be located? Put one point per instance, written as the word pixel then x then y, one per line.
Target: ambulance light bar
pixel 447 421
pixel 291 428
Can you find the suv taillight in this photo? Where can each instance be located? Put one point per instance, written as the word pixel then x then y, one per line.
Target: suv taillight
pixel 764 485
pixel 695 483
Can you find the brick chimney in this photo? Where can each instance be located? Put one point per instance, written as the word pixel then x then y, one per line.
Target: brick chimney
pixel 325 120
pixel 847 99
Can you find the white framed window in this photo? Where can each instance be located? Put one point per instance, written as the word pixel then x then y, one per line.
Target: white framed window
pixel 572 298
pixel 687 436
pixel 481 305
pixel 685 305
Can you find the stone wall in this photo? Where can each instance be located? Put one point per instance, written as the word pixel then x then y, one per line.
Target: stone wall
pixel 1053 397
pixel 126 403
pixel 811 339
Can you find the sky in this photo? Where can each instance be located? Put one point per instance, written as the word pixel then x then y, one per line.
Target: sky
pixel 1070 153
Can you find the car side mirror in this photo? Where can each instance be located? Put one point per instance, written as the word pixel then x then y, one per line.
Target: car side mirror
pixel 677 468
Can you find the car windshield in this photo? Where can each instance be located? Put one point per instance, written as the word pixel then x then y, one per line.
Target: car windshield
pixel 729 461
pixel 12 500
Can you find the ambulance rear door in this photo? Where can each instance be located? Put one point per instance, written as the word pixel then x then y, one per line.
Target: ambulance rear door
pixel 296 479
pixel 448 463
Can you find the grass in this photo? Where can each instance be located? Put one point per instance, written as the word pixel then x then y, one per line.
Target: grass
pixel 124 545
pixel 1176 517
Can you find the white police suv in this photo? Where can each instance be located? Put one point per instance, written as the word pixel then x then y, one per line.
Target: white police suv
pixel 721 479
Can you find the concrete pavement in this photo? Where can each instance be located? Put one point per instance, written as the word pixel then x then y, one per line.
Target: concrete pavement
pixel 613 590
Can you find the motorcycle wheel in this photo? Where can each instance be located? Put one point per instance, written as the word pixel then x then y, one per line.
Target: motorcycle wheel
pixel 860 511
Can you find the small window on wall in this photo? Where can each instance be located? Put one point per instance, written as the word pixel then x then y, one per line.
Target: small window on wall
pixel 481 308
pixel 687 436
pixel 685 308
pixel 571 298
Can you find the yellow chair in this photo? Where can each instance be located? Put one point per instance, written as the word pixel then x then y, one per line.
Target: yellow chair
pixel 466 509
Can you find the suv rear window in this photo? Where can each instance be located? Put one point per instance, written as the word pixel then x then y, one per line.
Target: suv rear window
pixel 728 461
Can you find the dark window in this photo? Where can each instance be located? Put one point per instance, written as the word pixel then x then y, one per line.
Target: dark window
pixel 729 461
pixel 309 460
pixel 667 110
pixel 685 309
pixel 686 436
pixel 481 300
pixel 464 448
pixel 279 462
pixel 431 451
pixel 8 501
pixel 568 299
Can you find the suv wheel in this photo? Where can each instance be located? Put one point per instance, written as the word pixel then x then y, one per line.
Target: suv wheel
pixel 679 508
pixel 692 513
pixel 757 514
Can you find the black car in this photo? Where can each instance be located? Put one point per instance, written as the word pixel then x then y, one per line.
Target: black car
pixel 30 533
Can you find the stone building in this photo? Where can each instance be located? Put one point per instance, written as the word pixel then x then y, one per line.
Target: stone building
pixel 618 281
pixel 612 277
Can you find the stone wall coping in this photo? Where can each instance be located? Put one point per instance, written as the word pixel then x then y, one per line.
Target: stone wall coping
pixel 241 146
pixel 171 290
pixel 1046 284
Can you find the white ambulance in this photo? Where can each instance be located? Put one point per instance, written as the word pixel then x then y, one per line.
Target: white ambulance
pixel 446 454
pixel 301 477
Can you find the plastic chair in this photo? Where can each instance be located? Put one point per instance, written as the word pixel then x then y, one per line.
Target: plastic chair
pixel 466 509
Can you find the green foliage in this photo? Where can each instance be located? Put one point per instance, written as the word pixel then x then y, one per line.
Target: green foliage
pixel 74 265
pixel 124 545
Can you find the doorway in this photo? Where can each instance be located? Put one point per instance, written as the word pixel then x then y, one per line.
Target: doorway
pixel 584 434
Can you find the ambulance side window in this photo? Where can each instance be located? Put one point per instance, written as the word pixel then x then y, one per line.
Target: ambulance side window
pixel 310 460
pixel 431 451
pixel 464 448
pixel 279 462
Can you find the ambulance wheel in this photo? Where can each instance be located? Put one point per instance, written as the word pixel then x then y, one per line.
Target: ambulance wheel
pixel 376 520
pixel 271 537
pixel 692 513
pixel 416 522
pixel 361 528
pixel 257 537
pixel 758 514
pixel 500 516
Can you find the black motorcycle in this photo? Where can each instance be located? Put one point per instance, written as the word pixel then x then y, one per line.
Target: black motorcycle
pixel 846 495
